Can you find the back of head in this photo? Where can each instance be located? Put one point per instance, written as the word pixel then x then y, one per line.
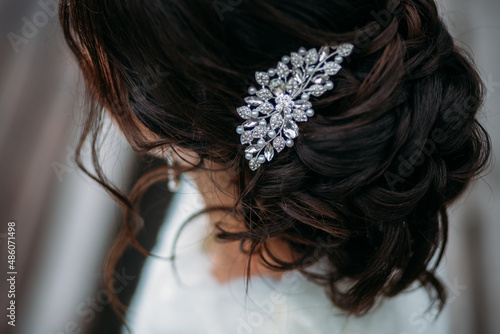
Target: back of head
pixel 368 180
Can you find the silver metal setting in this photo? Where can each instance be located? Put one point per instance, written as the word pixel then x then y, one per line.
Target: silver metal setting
pixel 271 113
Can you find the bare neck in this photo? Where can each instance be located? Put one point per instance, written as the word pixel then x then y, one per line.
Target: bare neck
pixel 228 262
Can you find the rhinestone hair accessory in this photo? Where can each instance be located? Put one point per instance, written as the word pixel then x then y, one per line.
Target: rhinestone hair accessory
pixel 271 113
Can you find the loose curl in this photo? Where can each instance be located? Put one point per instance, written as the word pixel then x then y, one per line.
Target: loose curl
pixel 367 184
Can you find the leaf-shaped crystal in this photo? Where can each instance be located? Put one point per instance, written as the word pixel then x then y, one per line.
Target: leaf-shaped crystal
pixel 246 137
pixel 262 78
pixel 254 164
pixel 292 86
pixel 269 152
pixel 276 82
pixel 265 108
pixel 253 101
pixel 291 129
pixel 320 79
pixel 279 144
pixel 311 57
pixel 260 131
pixel 298 75
pixel 265 94
pixel 317 90
pixel 250 123
pixel 323 53
pixel 304 105
pixel 282 70
pixel 345 49
pixel 252 149
pixel 296 59
pixel 299 115
pixel 276 121
pixel 244 112
pixel 277 86
pixel 331 68
pixel 278 90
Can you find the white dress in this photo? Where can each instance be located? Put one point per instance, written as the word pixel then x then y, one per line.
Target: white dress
pixel 291 305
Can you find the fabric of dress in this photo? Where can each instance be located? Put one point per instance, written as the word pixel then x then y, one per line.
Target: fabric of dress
pixel 190 300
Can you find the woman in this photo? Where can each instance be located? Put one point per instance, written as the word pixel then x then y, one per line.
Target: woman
pixel 351 200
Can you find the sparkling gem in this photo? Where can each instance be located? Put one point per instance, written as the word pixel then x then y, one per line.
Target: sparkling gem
pixel 331 68
pixel 246 137
pixel 299 116
pixel 298 75
pixel 277 86
pixel 304 105
pixel 323 53
pixel 259 131
pixel 265 94
pixel 269 152
pixel 265 108
pixel 292 86
pixel 282 70
pixel 279 144
pixel 284 102
pixel 244 112
pixel 254 164
pixel 250 123
pixel 285 99
pixel 320 79
pixel 276 121
pixel 311 57
pixel 317 90
pixel 297 59
pixel 291 129
pixel 252 149
pixel 278 90
pixel 276 83
pixel 262 78
pixel 345 49
pixel 253 101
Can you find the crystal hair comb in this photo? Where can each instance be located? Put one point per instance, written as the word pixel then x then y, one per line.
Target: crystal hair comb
pixel 272 111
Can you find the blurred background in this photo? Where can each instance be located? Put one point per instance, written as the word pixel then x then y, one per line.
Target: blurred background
pixel 64 222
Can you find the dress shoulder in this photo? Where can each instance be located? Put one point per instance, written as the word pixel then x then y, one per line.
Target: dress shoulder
pixel 189 300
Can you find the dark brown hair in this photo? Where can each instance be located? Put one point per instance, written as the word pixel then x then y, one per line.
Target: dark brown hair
pixel 368 181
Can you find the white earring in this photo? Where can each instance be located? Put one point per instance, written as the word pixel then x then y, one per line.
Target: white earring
pixel 173 179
